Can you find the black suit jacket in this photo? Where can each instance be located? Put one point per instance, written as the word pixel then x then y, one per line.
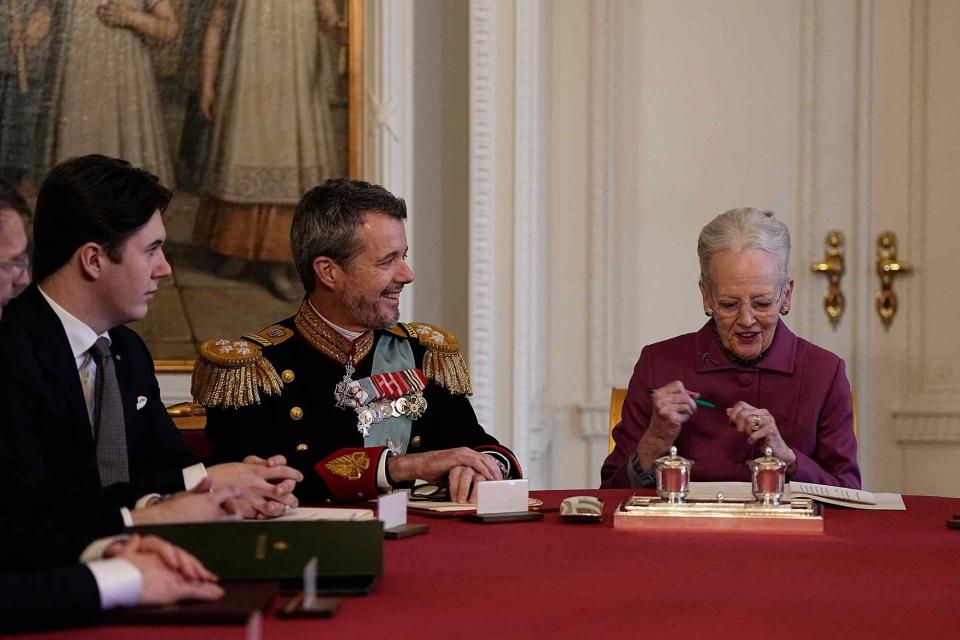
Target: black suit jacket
pixel 44 598
pixel 47 448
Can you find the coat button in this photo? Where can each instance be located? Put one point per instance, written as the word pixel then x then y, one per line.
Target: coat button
pixel 744 379
pixel 415 443
pixel 287 375
pixel 302 447
pixel 296 413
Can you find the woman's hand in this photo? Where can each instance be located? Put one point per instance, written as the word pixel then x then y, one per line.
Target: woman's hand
pixel 758 424
pixel 672 405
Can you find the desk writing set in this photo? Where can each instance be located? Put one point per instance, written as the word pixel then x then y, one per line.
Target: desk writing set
pixel 671 510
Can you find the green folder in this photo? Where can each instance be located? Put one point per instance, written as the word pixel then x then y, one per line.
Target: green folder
pixel 349 554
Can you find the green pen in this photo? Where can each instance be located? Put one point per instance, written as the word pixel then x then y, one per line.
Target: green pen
pixel 696 401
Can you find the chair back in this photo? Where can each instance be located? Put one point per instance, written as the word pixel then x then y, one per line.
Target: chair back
pixel 190 419
pixel 617 396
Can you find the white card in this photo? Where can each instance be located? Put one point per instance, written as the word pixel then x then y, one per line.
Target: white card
pixel 502 496
pixel 310 581
pixel 392 509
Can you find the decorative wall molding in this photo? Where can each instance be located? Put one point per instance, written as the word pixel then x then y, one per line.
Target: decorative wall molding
pixel 921 425
pixel 916 312
pixel 388 74
pixel 483 189
pixel 595 421
pixel 174 388
pixel 600 354
pixel 531 280
pixel 861 315
pixel 806 221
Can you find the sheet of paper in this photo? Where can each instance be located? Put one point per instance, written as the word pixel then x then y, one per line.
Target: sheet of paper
pixel 502 496
pixel 833 493
pixel 429 505
pixel 857 499
pixel 392 509
pixel 840 496
pixel 323 513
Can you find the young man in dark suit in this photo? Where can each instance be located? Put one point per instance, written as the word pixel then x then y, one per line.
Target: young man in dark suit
pixel 84 428
pixel 49 575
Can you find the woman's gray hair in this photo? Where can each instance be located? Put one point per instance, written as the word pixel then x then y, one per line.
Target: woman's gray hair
pixel 741 229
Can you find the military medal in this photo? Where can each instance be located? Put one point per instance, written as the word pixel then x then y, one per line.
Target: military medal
pixel 341 393
pixel 382 396
pixel 397 449
pixel 418 404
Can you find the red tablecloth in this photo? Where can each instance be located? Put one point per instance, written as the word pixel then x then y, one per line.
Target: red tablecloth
pixel 870 574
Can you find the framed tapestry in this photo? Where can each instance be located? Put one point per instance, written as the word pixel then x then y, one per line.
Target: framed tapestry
pixel 239 106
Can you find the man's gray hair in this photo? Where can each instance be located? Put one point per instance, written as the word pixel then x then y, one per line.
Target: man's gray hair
pixel 326 220
pixel 741 229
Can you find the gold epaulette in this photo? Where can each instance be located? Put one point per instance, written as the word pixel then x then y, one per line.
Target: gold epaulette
pixel 442 363
pixel 232 373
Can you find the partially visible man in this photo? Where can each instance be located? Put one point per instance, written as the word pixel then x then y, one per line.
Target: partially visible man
pixel 358 403
pixel 84 429
pixel 14 255
pixel 42 583
pixel 114 573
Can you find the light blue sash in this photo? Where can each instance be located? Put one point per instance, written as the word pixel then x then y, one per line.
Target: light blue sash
pixel 391 354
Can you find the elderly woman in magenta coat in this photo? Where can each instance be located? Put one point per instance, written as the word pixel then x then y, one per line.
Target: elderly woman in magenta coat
pixel 771 388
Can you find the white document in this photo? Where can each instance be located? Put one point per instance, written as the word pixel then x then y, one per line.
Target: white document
pixel 840 496
pixel 502 496
pixel 322 513
pixel 392 509
pixel 844 497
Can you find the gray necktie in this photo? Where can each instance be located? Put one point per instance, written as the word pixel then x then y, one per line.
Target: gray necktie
pixel 108 424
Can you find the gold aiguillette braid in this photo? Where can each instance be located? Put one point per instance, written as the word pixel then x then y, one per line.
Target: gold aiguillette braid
pixel 448 370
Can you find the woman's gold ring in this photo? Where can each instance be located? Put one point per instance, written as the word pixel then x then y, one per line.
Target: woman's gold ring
pixel 755 419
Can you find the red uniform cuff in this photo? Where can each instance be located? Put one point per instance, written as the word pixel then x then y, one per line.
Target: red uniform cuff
pixel 351 474
pixel 514 471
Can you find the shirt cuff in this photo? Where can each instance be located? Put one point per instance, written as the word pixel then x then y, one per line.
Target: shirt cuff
pixel 127 518
pixel 118 581
pixel 147 500
pixel 501 461
pixel 382 483
pixel 639 477
pixel 193 475
pixel 96 549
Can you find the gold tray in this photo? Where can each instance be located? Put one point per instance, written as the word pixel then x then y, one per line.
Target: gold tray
pixel 799 515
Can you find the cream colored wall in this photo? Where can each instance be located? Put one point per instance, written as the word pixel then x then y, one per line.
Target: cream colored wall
pixel 568 207
pixel 441 158
pixel 660 115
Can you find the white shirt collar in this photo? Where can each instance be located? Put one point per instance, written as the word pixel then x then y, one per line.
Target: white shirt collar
pixel 80 336
pixel 346 333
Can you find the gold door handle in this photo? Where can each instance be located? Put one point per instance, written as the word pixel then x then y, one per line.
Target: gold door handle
pixel 832 267
pixel 887 267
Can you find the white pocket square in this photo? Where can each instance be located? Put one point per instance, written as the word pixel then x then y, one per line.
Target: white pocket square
pixel 141 402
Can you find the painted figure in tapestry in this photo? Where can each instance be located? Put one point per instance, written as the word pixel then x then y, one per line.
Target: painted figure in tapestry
pixel 266 83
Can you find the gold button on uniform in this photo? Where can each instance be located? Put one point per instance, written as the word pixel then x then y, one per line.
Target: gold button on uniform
pixel 302 447
pixel 296 413
pixel 287 375
pixel 415 443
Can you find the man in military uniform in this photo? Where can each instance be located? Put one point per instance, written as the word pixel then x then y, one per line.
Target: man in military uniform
pixel 358 403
